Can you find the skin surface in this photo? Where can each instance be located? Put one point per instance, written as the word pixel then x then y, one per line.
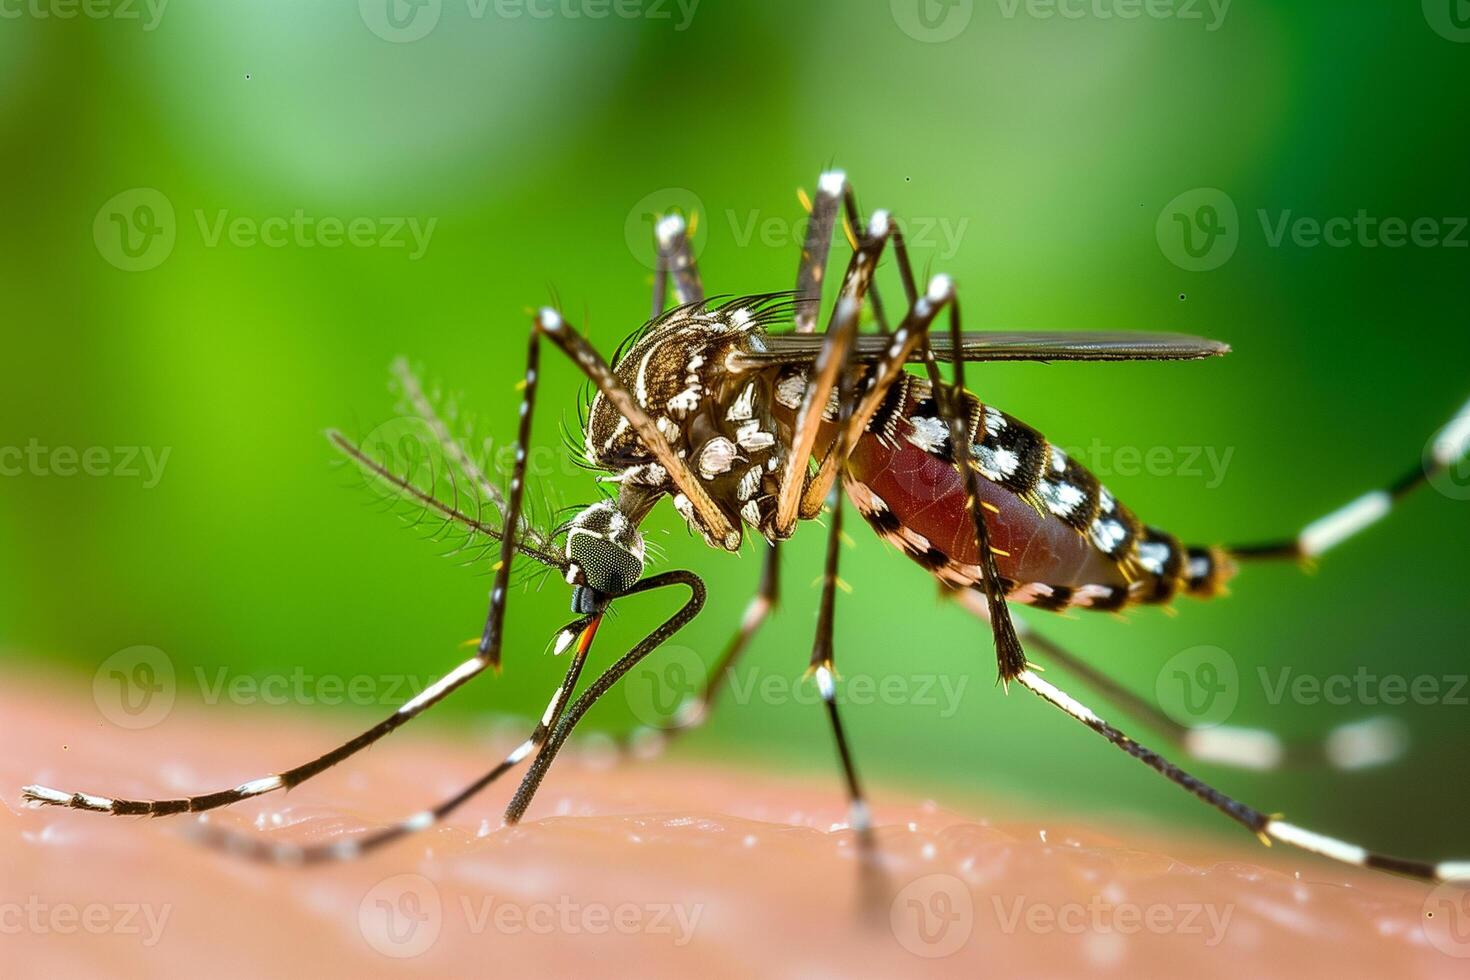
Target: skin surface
pixel 671 867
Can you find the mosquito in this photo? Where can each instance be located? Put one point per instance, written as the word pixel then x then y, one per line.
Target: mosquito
pixel 747 425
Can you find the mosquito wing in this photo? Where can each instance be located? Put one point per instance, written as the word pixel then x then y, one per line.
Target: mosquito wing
pixel 1020 345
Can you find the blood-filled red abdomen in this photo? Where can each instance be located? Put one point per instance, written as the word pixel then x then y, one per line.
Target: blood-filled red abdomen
pixel 926 499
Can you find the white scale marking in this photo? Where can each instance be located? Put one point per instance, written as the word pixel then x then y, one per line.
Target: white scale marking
pixel 832 183
pixel 669 228
pixel 1057 697
pixel 48 794
pixel 825 683
pixel 1371 742
pixel 1453 441
pixel 1330 531
pixel 1248 748
pixel 1316 843
pixel 258 786
pixel 439 688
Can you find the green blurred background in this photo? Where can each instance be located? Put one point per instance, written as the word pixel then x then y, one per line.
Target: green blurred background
pixel 1041 152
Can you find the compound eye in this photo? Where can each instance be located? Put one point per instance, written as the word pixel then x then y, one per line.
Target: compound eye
pixel 607 567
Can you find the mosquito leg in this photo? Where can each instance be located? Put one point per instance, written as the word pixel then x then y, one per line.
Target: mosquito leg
pixel 1449 447
pixel 906 339
pixel 259 848
pixel 287 779
pixel 822 665
pixel 675 254
pixel 811 274
pixel 696 710
pixel 1010 657
pixel 487 655
pixel 718 530
pixel 1265 826
pixel 795 486
pixel 539 766
pixel 1348 747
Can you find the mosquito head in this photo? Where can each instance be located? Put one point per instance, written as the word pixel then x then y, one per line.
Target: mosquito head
pixel 605 553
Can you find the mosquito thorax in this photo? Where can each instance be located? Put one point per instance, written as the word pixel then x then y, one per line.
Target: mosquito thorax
pixel 684 370
pixel 604 555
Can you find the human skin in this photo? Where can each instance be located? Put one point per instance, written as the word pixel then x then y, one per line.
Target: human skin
pixel 673 867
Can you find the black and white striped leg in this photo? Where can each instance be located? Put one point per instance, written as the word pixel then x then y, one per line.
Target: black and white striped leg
pixel 879 380
pixel 811 274
pixel 1348 747
pixel 1267 827
pixel 563 729
pixel 493 637
pixel 286 779
pixel 1010 658
pixel 1448 448
pixel 260 848
pixel 676 256
pixel 822 666
pixel 796 498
